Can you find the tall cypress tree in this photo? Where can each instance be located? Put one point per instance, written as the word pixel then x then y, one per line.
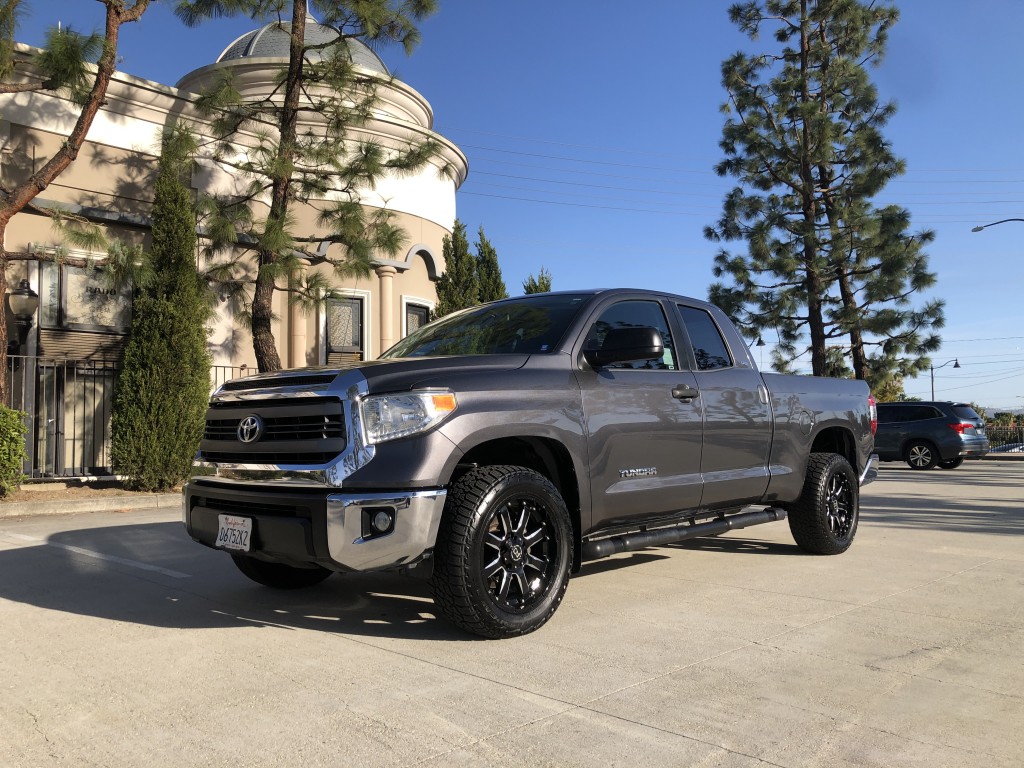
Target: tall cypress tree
pixel 458 288
pixel 804 141
pixel 488 271
pixel 164 385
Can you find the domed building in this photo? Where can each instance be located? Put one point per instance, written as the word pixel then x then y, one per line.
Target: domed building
pixel 71 349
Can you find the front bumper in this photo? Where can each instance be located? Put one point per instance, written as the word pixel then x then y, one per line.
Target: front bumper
pixel 322 527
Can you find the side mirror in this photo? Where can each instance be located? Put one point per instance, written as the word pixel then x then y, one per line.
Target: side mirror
pixel 626 345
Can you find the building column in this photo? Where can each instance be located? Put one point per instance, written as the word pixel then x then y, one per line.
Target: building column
pixel 387 307
pixel 296 332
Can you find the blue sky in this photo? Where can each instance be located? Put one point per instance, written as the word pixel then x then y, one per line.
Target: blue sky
pixel 592 128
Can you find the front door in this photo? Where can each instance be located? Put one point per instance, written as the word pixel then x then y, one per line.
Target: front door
pixel 644 435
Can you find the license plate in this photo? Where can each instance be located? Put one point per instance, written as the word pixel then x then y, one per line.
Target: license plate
pixel 234 532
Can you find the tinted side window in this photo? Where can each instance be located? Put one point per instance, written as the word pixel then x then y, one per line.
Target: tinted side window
pixel 922 412
pixel 635 314
pixel 709 347
pixel 889 414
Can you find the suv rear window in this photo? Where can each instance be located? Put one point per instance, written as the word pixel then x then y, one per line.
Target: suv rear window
pixel 966 412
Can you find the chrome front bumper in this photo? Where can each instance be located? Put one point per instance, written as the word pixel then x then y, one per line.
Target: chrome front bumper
pixel 417 516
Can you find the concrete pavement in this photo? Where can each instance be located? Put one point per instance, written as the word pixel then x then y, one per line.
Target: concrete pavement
pixel 122 643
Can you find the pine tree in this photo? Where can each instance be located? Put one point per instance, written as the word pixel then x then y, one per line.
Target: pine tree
pixel 804 141
pixel 458 288
pixel 164 384
pixel 539 284
pixel 488 271
pixel 307 152
pixel 62 67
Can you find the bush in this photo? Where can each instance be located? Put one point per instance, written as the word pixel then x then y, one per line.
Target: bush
pixel 12 449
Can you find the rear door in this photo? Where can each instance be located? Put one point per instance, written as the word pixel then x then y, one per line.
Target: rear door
pixel 737 419
pixel 644 423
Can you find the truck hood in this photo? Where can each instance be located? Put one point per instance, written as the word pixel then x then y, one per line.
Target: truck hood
pixel 419 372
pixel 380 375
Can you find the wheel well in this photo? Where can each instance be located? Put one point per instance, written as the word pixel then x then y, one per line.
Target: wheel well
pixel 836 440
pixel 548 457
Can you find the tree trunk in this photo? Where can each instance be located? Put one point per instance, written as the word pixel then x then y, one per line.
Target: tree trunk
pixel 263 341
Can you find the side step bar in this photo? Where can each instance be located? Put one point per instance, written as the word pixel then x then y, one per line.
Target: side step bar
pixel 613 545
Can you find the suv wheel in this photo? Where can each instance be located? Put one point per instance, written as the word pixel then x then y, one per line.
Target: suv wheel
pixel 921 455
pixel 504 549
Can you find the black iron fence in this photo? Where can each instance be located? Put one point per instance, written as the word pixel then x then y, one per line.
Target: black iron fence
pixel 68 405
pixel 1006 438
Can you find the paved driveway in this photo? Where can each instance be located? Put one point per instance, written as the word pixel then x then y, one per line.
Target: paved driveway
pixel 123 644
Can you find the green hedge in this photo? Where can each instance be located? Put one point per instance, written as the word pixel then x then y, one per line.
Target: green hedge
pixel 12 449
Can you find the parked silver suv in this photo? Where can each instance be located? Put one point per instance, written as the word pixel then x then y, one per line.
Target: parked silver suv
pixel 926 434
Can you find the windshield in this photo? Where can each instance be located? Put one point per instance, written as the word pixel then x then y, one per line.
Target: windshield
pixel 529 325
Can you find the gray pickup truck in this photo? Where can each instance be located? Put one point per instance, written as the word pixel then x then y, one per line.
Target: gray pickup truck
pixel 498 448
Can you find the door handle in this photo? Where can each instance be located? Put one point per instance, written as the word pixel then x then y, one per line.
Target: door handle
pixel 684 393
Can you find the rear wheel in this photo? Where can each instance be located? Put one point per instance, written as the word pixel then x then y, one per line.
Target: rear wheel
pixel 279 575
pixel 823 521
pixel 921 455
pixel 952 463
pixel 504 549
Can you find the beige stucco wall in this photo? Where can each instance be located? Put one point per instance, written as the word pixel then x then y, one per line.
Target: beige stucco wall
pixel 115 172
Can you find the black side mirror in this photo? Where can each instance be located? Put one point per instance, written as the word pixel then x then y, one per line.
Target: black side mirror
pixel 626 345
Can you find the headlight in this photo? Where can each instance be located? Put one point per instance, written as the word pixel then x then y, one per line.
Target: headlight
pixel 388 417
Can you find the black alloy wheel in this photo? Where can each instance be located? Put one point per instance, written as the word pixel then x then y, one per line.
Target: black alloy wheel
pixel 504 552
pixel 824 519
pixel 840 505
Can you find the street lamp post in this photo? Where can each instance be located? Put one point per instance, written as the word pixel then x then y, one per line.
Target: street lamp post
pixel 933 368
pixel 1001 221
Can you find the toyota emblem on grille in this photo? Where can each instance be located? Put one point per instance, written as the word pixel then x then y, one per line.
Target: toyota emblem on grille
pixel 250 429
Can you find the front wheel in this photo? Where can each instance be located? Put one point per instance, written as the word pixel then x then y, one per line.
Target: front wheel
pixel 951 463
pixel 503 554
pixel 279 575
pixel 823 521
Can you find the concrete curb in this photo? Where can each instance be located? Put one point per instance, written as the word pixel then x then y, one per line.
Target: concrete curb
pixel 98 504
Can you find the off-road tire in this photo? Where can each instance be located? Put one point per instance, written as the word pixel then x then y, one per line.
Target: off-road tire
pixel 951 463
pixel 824 519
pixel 503 553
pixel 279 575
pixel 921 454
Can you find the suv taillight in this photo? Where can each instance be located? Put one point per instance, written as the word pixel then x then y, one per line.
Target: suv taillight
pixel 873 411
pixel 960 427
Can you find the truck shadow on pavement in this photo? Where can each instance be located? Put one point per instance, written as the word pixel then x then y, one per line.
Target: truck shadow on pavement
pixel 153 574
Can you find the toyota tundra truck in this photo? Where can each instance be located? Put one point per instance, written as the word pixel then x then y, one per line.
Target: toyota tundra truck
pixel 498 448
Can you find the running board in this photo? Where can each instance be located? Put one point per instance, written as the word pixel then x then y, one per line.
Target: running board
pixel 613 545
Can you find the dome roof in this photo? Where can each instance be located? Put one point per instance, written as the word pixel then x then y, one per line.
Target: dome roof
pixel 273 40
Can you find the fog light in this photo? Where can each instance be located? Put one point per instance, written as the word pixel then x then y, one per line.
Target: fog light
pixel 382 521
